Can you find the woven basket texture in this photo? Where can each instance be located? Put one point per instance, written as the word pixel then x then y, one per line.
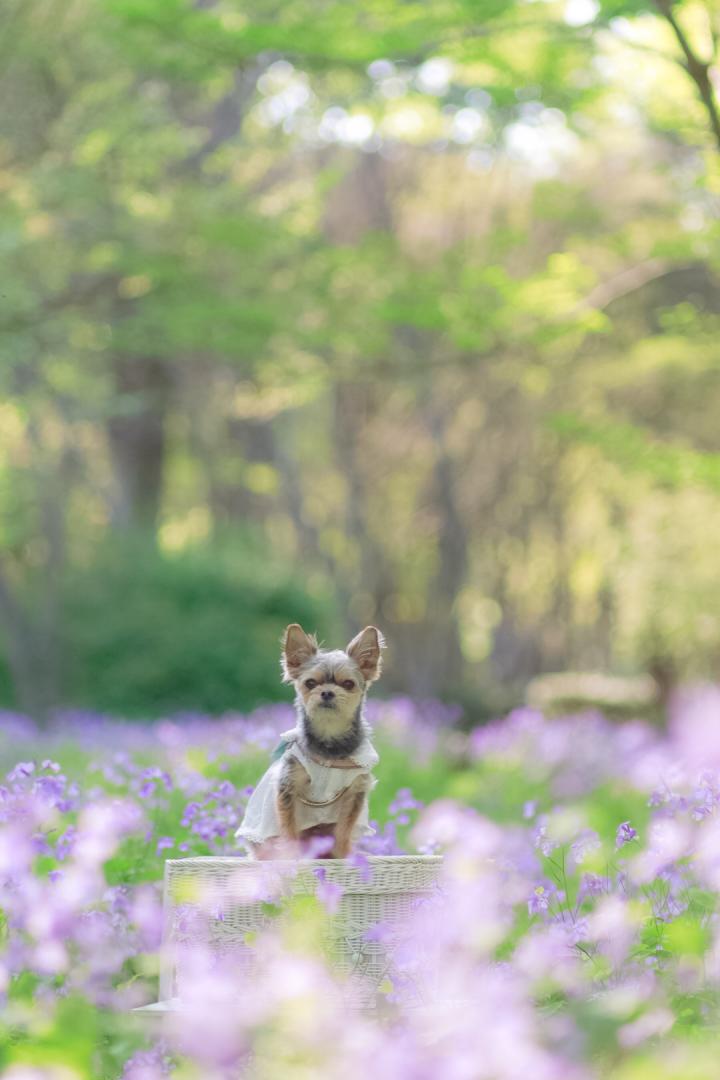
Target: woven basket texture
pixel 219 901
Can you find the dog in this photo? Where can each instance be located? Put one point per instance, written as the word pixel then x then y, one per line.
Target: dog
pixel 314 797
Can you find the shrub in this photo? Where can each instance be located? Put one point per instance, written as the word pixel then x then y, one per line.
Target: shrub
pixel 145 632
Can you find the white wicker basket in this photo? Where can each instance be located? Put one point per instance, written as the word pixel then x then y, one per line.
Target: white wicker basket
pixel 226 892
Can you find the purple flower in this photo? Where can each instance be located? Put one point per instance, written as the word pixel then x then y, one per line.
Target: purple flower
pixel 379 931
pixel 542 840
pixel 329 893
pixel 383 841
pixel 224 790
pixel 404 800
pixel 65 842
pixel 191 811
pixel 40 844
pixel 315 847
pixel 75 932
pixel 540 899
pixel 625 833
pixel 591 885
pixel 360 862
pixel 584 844
pixel 21 770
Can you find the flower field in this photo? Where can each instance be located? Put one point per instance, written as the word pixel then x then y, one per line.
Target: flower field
pixel 576 935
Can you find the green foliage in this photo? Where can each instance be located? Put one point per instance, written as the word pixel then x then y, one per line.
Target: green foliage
pixel 673 467
pixel 357 343
pixel 337 33
pixel 151 633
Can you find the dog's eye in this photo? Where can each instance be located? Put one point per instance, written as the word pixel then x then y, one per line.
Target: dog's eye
pixel 310 684
pixel 349 684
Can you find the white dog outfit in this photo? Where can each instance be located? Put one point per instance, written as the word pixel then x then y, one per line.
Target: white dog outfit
pixel 328 781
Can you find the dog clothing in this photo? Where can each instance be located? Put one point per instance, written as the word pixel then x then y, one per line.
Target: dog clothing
pixel 319 805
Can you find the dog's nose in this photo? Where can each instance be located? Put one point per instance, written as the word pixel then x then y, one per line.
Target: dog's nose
pixel 327 695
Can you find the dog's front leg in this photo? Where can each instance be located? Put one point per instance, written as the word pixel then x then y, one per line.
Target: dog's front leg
pixel 293 780
pixel 350 806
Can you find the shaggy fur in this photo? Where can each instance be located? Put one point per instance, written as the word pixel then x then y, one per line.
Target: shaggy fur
pixel 330 690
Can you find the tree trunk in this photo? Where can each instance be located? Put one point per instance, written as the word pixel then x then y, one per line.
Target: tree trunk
pixel 136 433
pixel 30 655
pixel 136 436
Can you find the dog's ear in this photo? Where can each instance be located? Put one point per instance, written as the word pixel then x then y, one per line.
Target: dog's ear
pixel 297 648
pixel 365 651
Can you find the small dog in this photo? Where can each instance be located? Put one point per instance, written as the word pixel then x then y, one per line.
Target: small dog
pixel 317 787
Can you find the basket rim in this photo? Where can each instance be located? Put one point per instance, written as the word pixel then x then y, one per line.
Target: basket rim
pixel 243 860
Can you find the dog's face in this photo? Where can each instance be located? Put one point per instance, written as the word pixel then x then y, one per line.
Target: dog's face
pixel 331 684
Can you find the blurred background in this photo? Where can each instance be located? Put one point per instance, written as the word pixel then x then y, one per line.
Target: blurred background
pixel 381 312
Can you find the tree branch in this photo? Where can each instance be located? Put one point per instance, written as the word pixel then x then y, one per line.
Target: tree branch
pixel 625 282
pixel 697 69
pixel 227 116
